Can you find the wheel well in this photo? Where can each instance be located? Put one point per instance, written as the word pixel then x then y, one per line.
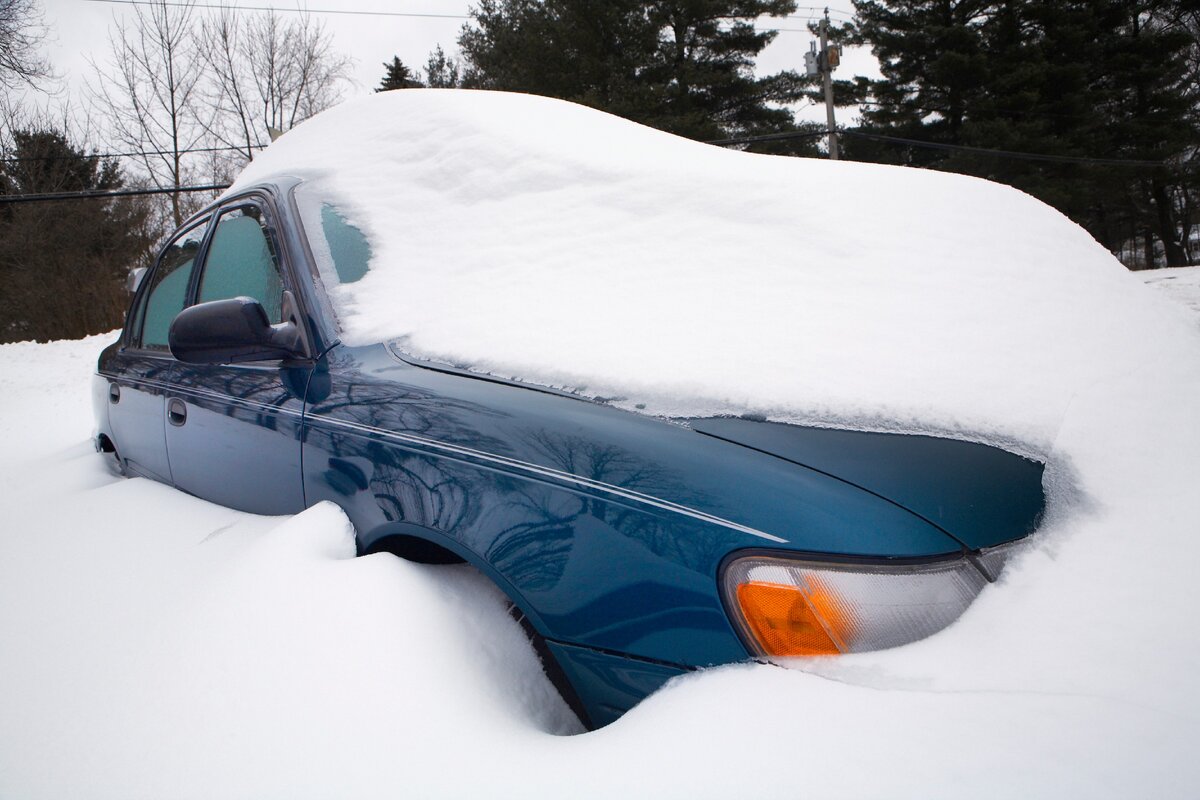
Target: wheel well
pixel 105 444
pixel 423 551
pixel 414 548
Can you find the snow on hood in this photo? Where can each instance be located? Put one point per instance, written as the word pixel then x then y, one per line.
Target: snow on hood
pixel 542 240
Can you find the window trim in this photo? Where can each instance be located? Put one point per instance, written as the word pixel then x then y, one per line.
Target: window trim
pixel 133 331
pixel 264 197
pixel 332 322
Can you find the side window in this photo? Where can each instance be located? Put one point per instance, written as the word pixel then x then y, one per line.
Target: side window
pixel 168 292
pixel 242 262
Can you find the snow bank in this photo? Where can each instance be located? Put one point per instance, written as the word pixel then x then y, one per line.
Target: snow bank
pixel 1181 284
pixel 156 646
pixel 539 239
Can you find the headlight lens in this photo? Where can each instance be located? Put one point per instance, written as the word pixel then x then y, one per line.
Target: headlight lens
pixel 789 607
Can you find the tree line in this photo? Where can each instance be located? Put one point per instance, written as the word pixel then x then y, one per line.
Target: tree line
pixel 1091 105
pixel 1099 81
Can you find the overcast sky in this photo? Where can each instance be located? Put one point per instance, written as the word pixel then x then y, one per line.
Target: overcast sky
pixel 79 31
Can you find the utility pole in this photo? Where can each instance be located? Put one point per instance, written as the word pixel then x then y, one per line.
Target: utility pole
pixel 823 63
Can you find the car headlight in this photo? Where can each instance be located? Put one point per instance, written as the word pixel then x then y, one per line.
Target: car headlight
pixel 785 606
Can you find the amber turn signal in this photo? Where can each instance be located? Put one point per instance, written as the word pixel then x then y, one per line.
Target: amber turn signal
pixel 784 622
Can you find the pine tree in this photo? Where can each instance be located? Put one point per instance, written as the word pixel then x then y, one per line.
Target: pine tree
pixel 931 53
pixel 441 72
pixel 397 76
pixel 684 66
pixel 63 264
pixel 1099 79
pixel 1150 103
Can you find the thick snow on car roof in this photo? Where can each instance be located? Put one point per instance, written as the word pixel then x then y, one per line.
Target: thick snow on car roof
pixel 541 240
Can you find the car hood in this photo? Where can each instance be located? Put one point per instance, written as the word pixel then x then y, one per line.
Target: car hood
pixel 980 495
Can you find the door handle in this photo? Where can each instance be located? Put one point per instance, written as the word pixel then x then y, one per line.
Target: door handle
pixel 114 393
pixel 176 411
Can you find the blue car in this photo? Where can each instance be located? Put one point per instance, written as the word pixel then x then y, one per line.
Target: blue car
pixel 633 549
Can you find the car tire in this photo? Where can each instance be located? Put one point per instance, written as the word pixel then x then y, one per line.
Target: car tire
pixel 112 458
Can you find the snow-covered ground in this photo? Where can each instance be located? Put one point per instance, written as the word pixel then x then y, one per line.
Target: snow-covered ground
pixel 156 646
pixel 153 645
pixel 1181 284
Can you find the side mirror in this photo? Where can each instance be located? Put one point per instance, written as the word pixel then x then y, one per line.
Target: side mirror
pixel 134 279
pixel 232 331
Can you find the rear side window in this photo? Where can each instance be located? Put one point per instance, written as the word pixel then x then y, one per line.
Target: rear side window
pixel 348 248
pixel 168 291
pixel 242 261
pixel 341 252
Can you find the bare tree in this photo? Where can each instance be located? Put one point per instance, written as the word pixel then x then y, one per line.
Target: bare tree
pixel 21 34
pixel 149 91
pixel 267 73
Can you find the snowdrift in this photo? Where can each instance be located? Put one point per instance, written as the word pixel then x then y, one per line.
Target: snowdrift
pixel 538 239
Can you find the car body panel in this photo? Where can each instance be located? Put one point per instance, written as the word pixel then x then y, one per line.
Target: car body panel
pixel 240 443
pixel 608 685
pixel 137 418
pixel 980 495
pixel 610 526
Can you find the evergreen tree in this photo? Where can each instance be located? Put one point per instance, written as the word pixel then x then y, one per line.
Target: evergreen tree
pixel 1149 104
pixel 1188 165
pixel 684 66
pixel 63 264
pixel 397 76
pixel 1100 79
pixel 441 72
pixel 932 56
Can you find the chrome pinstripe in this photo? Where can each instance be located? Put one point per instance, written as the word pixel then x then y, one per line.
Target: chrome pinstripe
pixel 191 391
pixel 479 455
pixel 541 471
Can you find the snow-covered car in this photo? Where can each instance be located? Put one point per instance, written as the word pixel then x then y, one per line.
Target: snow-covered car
pixel 429 309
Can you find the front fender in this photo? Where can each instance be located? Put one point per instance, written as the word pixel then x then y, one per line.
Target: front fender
pixel 980 495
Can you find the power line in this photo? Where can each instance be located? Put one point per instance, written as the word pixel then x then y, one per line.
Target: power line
pixel 813 10
pixel 220 6
pixel 362 13
pixel 133 154
pixel 789 135
pixel 1021 112
pixel 1114 162
pixel 770 137
pixel 365 13
pixel 103 195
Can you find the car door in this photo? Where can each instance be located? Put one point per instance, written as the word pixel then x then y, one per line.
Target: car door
pixel 140 372
pixel 233 430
